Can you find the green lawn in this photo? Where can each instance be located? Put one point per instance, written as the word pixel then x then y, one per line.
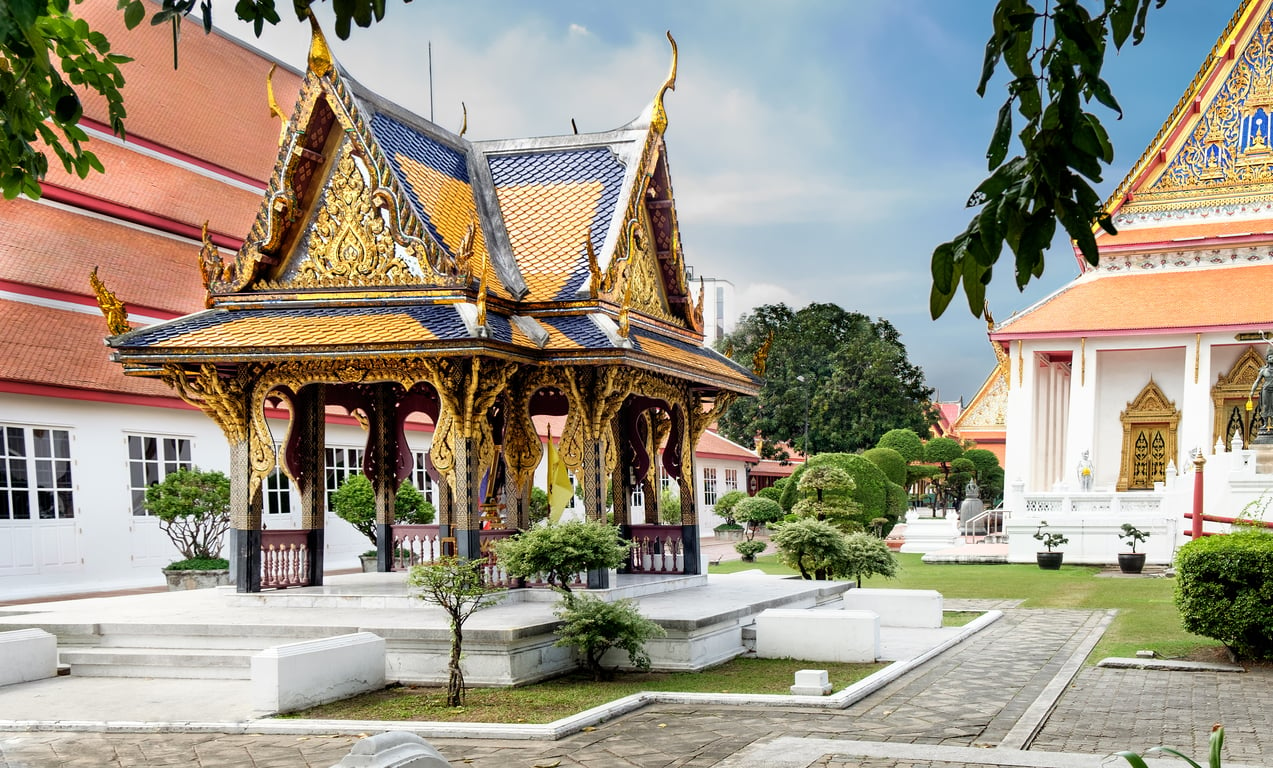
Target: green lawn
pixel 548 701
pixel 1147 616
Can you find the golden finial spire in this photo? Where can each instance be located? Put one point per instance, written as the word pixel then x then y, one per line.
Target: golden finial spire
pixel 594 271
pixel 464 127
pixel 658 120
pixel 113 309
pixel 1000 355
pixel 626 308
pixel 481 292
pixel 320 56
pixel 274 107
pixel 762 355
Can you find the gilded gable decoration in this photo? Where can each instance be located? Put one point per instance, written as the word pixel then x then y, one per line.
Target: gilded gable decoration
pixel 113 309
pixel 659 120
pixel 1149 439
pixel 1229 398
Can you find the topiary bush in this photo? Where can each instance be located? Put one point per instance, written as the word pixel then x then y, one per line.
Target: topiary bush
pixel 871 485
pixel 890 463
pixel 756 511
pixel 355 503
pixel 772 492
pixel 897 500
pixel 816 548
pixel 749 549
pixel 724 505
pixel 562 550
pixel 868 555
pixel 1224 590
pixel 904 441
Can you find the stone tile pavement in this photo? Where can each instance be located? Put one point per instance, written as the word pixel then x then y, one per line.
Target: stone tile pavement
pixel 970 706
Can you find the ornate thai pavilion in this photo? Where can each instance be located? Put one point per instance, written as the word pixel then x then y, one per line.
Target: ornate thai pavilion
pixel 396 268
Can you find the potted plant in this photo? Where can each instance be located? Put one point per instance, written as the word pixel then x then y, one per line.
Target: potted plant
pixel 1049 560
pixel 355 503
pixel 1132 562
pixel 193 509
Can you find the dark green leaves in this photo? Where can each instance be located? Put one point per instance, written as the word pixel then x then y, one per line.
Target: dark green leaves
pixel 1063 147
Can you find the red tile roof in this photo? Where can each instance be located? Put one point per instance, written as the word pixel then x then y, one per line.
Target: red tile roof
pixel 70 352
pixel 718 447
pixel 229 127
pixel 55 248
pixel 1151 301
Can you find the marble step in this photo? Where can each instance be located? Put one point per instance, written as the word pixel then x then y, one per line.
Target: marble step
pixel 221 664
pixel 210 637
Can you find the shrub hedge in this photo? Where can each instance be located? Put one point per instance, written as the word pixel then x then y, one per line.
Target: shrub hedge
pixel 1224 590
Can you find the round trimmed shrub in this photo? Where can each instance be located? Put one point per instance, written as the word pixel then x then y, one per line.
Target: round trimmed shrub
pixel 871 491
pixel 1224 590
pixel 897 500
pixel 904 441
pixel 890 463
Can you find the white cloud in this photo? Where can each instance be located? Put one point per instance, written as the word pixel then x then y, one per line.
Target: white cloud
pixel 578 30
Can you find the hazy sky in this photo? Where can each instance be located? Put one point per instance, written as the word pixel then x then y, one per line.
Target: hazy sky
pixel 819 150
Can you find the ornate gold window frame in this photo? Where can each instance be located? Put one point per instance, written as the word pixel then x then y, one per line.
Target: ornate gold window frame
pixel 1149 410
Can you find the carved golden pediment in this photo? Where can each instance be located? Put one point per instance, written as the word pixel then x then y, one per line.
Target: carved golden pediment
pixel 1149 439
pixel 1229 397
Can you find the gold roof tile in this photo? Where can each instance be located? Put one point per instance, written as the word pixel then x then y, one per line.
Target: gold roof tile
pixel 305 331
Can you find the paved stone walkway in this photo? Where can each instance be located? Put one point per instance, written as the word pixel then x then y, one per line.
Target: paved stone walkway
pixel 991 690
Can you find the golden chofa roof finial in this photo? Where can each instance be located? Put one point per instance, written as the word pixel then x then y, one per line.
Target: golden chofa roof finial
pixel 320 56
pixel 275 109
pixel 659 119
pixel 113 309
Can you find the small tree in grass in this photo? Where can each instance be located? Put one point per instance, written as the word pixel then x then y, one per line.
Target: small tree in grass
pixel 193 508
pixel 457 586
pixel 560 551
pixel 594 626
pixel 355 503
pixel 816 548
pixel 756 511
pixel 868 555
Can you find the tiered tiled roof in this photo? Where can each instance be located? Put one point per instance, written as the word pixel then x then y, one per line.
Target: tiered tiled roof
pixel 390 253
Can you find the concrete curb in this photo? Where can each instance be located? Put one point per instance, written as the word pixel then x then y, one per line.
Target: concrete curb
pixel 546 732
pixel 1168 665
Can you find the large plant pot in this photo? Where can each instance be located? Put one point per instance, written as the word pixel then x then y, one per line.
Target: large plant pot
pixel 370 564
pixel 1131 562
pixel 1049 561
pixel 182 580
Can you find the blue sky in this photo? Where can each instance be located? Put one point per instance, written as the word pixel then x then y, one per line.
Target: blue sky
pixel 819 149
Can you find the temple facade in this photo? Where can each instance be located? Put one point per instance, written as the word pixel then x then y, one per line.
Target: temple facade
pixel 1148 358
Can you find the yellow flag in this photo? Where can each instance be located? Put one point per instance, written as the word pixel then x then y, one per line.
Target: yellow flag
pixel 559 488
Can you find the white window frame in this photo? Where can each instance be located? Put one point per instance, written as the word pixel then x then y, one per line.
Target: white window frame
pixel 420 477
pixel 337 472
pixel 709 486
pixel 731 480
pixel 278 489
pixel 45 477
pixel 150 465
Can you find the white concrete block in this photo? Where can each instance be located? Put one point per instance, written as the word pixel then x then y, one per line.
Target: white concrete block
pixel 294 676
pixel 811 682
pixel 898 607
pixel 793 633
pixel 27 654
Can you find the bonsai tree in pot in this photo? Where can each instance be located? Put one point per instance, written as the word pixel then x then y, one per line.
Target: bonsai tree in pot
pixel 1132 562
pixel 355 503
pixel 193 509
pixel 1049 560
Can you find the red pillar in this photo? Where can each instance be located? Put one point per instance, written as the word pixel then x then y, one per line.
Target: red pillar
pixel 1198 462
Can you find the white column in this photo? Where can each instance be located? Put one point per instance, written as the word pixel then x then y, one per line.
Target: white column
pixel 1081 429
pixel 1019 423
pixel 1197 413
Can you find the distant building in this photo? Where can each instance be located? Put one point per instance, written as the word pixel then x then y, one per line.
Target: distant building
pixel 719 312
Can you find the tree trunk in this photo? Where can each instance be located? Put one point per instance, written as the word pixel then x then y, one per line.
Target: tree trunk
pixel 455 680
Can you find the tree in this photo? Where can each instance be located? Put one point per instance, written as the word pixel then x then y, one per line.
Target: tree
pixel 988 472
pixel 193 508
pixel 868 555
pixel 538 506
pixel 594 626
pixel 941 451
pixel 1062 145
pixel 870 491
pixel 45 53
pixel 905 442
pixel 724 505
pixel 826 493
pixel 814 547
pixel 457 586
pixel 670 505
pixel 562 550
pixel 756 511
pixel 857 382
pixel 355 503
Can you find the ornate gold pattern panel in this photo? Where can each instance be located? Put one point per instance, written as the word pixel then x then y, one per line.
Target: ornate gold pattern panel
pixel 1149 439
pixel 224 400
pixel 467 388
pixel 989 406
pixel 1229 397
pixel 1231 147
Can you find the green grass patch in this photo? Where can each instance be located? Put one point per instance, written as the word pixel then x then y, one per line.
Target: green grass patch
pixel 959 618
pixel 1147 616
pixel 553 699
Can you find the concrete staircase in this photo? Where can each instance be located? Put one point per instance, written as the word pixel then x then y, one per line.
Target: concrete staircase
pixel 197 651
